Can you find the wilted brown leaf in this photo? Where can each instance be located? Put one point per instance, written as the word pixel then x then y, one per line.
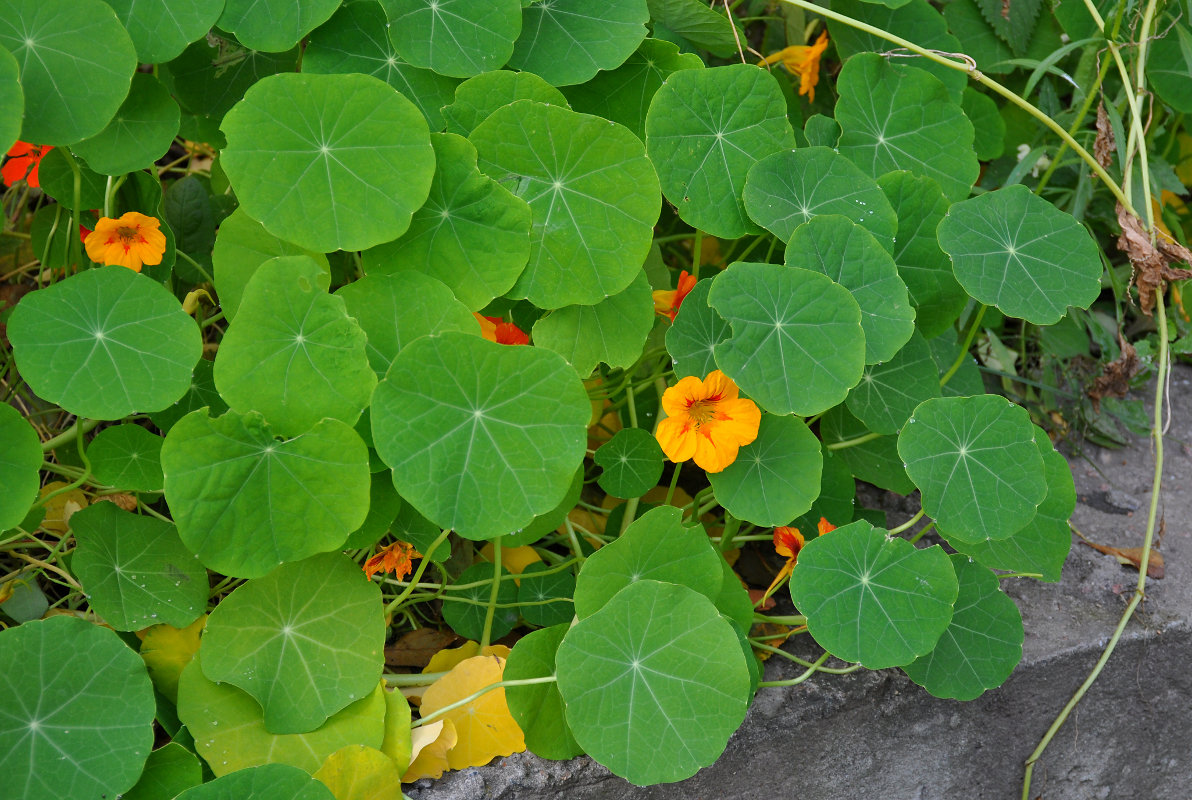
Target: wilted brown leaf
pixel 416 648
pixel 1132 556
pixel 122 500
pixel 1151 262
pixel 1114 380
pixel 1105 143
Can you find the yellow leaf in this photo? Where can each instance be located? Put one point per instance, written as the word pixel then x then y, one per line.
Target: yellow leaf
pixel 430 745
pixel 447 659
pixel 60 509
pixel 514 559
pixel 485 727
pixel 166 650
pixel 357 772
pixel 396 744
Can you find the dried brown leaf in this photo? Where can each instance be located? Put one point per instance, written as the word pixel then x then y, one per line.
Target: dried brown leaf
pixel 1151 262
pixel 416 648
pixel 1132 556
pixel 1105 143
pixel 1114 380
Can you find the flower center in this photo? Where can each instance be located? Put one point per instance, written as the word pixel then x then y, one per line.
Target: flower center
pixel 127 234
pixel 702 411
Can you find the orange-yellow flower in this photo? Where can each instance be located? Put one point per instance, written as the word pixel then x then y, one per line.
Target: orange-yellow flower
pixel 23 161
pixel 396 558
pixel 667 301
pixel 707 421
pixel 787 543
pixel 498 330
pixel 824 526
pixel 802 60
pixel 130 241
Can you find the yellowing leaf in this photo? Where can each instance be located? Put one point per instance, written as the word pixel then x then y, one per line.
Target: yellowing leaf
pixel 396 743
pixel 514 559
pixel 430 745
pixel 166 650
pixel 446 660
pixel 357 772
pixel 60 509
pixel 485 727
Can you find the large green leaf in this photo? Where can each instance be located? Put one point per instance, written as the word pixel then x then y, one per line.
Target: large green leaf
pixel 461 38
pixel 593 203
pixel 1169 68
pixel 797 343
pixel 305 641
pixel 478 97
pixel 853 258
pixel 12 100
pixel 632 463
pixel 105 343
pixel 922 265
pixel 465 610
pixel 874 460
pixel 697 329
pixel 1012 249
pixel 170 770
pixel 569 41
pixel 293 352
pixel 161 31
pixel 704 130
pixel 142 131
pixel 264 782
pixel 538 708
pixel 776 477
pixel 246 503
pixel 658 547
pixel 136 570
pixel 20 460
pixel 127 457
pixel 77 710
pixel 481 437
pixel 872 598
pixel 707 28
pixel 208 80
pixel 888 393
pixel 274 25
pixel 611 332
pixel 788 188
pixel 76 62
pixel 894 117
pixel 472 233
pixel 976 463
pixel 328 162
pixel 229 729
pixel 654 682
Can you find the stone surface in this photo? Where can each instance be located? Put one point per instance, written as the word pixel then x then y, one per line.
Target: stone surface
pixel 877 735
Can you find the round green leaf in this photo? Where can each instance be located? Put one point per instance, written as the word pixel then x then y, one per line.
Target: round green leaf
pixel 692 339
pixel 894 117
pixel 889 393
pixel 136 570
pixel 78 710
pixel 141 132
pixel 797 343
pixel 208 80
pixel 697 25
pixel 478 97
pixel 875 461
pixel 546 600
pixel 543 524
pixel 76 62
pixel 472 233
pixel 274 25
pixel 127 457
pixel 654 682
pixel 705 129
pixel 656 547
pixel 245 503
pixel 200 394
pixel 161 31
pixel 851 256
pixel 12 100
pixel 481 436
pixel 1012 249
pixel 20 461
pixel 1043 544
pixel 922 265
pixel 57 180
pixel 357 39
pixel 612 332
pixel 569 41
pixel 632 463
pixel 170 770
pixel 305 641
pixel 593 203
pixel 981 645
pixel 461 38
pixel 230 732
pixel 976 463
pixel 1169 68
pixel 776 477
pixel 265 782
pixel 293 352
pixel 465 610
pixel 242 245
pixel 623 94
pixel 105 343
pixel 788 188
pixel 538 708
pixel 328 162
pixel 871 598
pixel 837 496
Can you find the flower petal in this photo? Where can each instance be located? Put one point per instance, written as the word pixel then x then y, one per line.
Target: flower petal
pixel 712 454
pixel 676 438
pixel 677 399
pixel 721 386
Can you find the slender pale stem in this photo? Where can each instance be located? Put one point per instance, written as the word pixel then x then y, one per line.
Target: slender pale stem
pixel 447 709
pixel 486 634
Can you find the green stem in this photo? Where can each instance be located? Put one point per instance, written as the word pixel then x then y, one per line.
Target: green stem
pixel 847 443
pixel 731 526
pixel 393 605
pixel 778 651
pixel 921 533
pixel 670 492
pixel 82 457
pixel 910 523
pixel 974 326
pixel 72 239
pixel 794 619
pixel 80 426
pixel 416 679
pixel 630 512
pixel 196 265
pixel 1005 575
pixel 696 247
pixel 1075 126
pixel 486 634
pixel 429 718
pixel 811 670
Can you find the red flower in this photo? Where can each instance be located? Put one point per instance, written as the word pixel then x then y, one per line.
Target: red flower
pixel 667 301
pixel 498 330
pixel 396 558
pixel 22 163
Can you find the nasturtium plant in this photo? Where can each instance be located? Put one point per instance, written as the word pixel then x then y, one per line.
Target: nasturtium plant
pixel 20 460
pixel 128 456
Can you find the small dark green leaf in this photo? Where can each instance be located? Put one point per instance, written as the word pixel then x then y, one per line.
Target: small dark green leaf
pixel 632 462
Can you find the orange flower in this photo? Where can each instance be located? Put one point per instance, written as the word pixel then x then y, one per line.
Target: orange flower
pixel 705 420
pixel 23 161
pixel 824 526
pixel 396 558
pixel 498 330
pixel 788 542
pixel 667 301
pixel 802 60
pixel 130 241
